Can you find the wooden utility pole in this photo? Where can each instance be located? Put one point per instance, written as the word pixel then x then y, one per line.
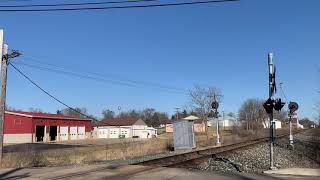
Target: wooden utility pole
pixel 177 111
pixel 4 63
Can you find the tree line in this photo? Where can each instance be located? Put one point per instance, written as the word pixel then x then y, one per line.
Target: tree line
pixel 150 116
pixel 250 116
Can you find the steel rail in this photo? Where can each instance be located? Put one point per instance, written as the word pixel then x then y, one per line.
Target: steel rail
pixel 179 159
pixel 185 157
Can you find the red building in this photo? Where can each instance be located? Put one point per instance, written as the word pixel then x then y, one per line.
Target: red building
pixel 29 127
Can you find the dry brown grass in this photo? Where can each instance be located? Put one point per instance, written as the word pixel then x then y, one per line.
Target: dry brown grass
pixel 56 157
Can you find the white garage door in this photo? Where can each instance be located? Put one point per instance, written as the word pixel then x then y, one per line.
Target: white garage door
pixel 73 132
pixel 114 133
pixel 103 133
pixel 63 133
pixel 81 132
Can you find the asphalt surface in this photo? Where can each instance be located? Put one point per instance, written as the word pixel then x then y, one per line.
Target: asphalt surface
pixel 129 172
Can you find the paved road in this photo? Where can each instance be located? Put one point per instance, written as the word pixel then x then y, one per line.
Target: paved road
pixel 127 172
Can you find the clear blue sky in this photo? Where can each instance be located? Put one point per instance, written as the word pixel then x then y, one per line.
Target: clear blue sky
pixel 222 45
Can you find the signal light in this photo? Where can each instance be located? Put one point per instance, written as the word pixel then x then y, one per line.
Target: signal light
pixel 268 106
pixel 278 104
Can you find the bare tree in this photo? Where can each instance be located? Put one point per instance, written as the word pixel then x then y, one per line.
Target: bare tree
pixel 36 110
pixel 108 114
pixel 201 99
pixel 150 116
pixel 280 115
pixel 252 113
pixel 231 114
pixel 306 122
pixel 74 112
pixel 317 108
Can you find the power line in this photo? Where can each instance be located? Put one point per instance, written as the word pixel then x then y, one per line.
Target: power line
pixel 5 1
pixel 144 83
pixel 282 92
pixel 97 78
pixel 118 7
pixel 46 92
pixel 75 4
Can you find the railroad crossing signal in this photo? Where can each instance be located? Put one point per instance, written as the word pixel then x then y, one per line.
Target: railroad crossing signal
pixel 293 106
pixel 271 104
pixel 278 104
pixel 268 105
pixel 215 105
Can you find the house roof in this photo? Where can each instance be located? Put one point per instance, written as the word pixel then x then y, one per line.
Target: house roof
pixel 118 122
pixel 43 115
pixel 166 121
pixel 198 121
pixel 191 118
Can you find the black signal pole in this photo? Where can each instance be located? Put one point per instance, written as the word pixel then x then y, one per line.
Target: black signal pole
pixel 271 91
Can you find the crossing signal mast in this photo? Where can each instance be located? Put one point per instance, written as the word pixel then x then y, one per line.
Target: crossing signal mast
pixel 272 104
pixel 293 106
pixel 215 106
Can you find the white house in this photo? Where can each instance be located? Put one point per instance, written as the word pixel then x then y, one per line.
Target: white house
pixel 295 121
pixel 123 128
pixel 224 122
pixel 266 124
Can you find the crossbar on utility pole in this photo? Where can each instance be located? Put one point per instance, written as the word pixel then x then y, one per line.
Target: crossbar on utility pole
pixel 4 63
pixel 271 90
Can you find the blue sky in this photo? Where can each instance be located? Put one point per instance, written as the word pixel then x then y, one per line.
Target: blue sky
pixel 221 45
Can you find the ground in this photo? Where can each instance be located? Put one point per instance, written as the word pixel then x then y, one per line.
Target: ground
pixel 66 144
pixel 106 171
pixel 256 159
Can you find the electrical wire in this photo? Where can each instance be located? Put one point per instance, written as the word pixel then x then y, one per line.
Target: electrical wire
pixel 96 78
pixel 76 4
pixel 282 92
pixel 5 1
pixel 46 92
pixel 118 7
pixel 103 75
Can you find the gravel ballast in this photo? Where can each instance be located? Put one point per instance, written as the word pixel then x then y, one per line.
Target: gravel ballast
pixel 256 160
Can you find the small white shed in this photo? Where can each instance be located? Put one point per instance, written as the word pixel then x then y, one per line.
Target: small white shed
pixel 266 124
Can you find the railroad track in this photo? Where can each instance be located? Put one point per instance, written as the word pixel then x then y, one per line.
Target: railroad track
pixel 179 159
pixel 183 158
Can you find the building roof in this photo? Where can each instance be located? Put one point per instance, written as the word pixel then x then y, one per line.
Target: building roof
pixel 120 122
pixel 43 115
pixel 198 121
pixel 191 118
pixel 166 121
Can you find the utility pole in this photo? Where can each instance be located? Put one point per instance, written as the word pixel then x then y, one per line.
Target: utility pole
pixel 4 63
pixel 5 56
pixel 177 111
pixel 224 126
